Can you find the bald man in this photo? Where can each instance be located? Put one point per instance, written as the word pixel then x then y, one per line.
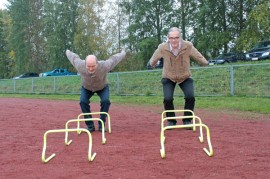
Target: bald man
pixel 94 80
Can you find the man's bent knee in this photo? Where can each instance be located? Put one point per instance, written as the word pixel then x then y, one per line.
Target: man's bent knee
pixel 167 100
pixel 105 102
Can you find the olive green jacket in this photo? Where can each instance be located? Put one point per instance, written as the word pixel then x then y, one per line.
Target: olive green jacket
pixel 177 68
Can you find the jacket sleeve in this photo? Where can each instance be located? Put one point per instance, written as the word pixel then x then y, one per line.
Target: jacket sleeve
pixel 198 57
pixel 155 57
pixel 111 63
pixel 74 59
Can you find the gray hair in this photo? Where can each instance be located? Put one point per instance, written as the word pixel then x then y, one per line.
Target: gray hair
pixel 173 29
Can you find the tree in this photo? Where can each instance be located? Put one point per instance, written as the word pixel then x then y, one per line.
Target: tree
pixel 149 22
pixel 212 29
pixel 19 38
pixel 257 27
pixel 27 35
pixel 4 59
pixel 60 26
pixel 90 35
pixel 36 36
pixel 116 22
pixel 185 13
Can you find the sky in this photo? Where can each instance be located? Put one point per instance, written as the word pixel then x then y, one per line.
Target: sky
pixel 2 4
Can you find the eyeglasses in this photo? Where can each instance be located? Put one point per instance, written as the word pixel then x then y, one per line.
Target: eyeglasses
pixel 173 38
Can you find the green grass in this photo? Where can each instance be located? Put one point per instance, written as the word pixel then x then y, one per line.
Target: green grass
pixel 209 81
pixel 253 104
pixel 251 88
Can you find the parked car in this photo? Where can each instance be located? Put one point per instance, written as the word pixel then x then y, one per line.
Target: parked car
pixel 260 51
pixel 27 75
pixel 159 64
pixel 227 58
pixel 57 72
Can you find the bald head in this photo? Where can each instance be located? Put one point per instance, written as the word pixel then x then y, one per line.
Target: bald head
pixel 91 63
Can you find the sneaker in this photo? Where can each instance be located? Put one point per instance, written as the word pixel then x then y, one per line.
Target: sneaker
pixel 91 129
pixel 170 123
pixel 187 122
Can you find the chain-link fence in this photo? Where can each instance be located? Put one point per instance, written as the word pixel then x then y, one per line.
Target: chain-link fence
pixel 239 80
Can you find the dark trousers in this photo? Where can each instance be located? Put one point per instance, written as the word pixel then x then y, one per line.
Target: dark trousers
pixel 105 103
pixel 168 91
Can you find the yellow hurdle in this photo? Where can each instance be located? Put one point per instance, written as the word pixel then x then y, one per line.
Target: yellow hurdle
pixel 78 129
pixel 193 126
pixel 95 113
pixel 43 158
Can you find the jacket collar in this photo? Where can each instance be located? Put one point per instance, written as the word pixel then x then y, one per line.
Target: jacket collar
pixel 183 47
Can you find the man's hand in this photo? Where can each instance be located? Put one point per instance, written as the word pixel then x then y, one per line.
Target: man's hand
pixel 67 51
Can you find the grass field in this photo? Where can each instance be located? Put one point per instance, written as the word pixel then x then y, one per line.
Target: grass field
pixel 253 104
pixel 212 87
pixel 246 79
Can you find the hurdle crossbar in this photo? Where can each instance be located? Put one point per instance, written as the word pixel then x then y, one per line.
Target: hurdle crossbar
pixel 80 120
pixel 46 160
pixel 193 126
pixel 95 113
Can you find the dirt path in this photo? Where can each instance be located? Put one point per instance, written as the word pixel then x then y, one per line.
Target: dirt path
pixel 240 142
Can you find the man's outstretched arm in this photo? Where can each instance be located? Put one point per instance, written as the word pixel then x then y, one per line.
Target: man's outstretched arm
pixel 74 59
pixel 114 60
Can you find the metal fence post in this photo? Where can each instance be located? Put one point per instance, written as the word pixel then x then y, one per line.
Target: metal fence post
pixel 32 85
pixel 232 80
pixel 117 84
pixel 54 85
pixel 14 86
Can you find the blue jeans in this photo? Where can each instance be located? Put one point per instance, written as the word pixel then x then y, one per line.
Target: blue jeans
pixel 105 103
pixel 168 91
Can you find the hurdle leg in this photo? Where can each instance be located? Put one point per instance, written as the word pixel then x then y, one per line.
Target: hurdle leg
pixel 209 152
pixel 162 141
pixel 66 134
pixel 162 138
pixel 184 117
pixel 200 126
pixel 46 160
pixel 81 120
pixel 98 113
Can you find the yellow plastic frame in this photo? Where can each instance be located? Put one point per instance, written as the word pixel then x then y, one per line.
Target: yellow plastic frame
pixel 46 160
pixel 95 113
pixel 193 126
pixel 78 128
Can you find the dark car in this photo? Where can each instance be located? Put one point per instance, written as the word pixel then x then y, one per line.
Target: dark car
pixel 227 58
pixel 260 51
pixel 27 75
pixel 158 65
